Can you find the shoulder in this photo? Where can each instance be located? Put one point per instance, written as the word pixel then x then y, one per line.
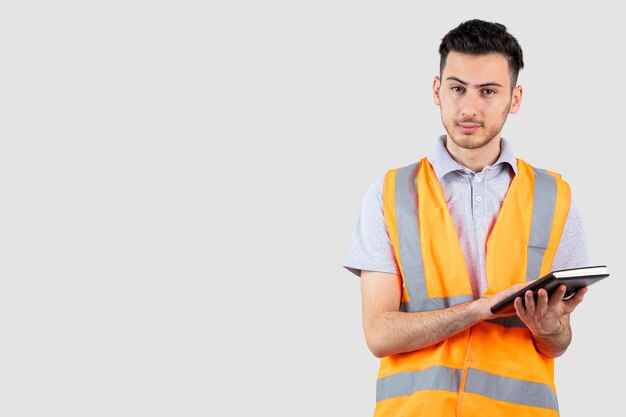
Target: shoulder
pixel 542 174
pixel 404 172
pixel 374 193
pixel 527 165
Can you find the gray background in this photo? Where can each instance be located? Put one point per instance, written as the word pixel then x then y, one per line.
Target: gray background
pixel 179 181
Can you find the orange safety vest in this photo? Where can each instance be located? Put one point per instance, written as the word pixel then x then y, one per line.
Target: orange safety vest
pixel 493 368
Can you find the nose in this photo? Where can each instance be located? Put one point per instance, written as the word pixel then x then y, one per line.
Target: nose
pixel 470 104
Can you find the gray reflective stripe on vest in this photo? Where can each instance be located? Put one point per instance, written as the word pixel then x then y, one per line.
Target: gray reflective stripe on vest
pixel 406 383
pixel 410 247
pixel 544 203
pixel 442 378
pixel 511 390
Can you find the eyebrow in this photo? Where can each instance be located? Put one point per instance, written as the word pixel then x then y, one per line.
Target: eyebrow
pixel 489 84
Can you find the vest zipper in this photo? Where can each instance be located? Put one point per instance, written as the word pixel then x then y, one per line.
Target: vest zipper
pixel 464 375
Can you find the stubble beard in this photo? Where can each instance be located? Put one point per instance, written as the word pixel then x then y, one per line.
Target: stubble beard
pixel 474 140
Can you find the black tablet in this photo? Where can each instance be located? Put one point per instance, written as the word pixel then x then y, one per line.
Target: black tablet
pixel 574 279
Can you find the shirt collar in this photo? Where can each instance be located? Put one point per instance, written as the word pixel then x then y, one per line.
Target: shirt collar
pixel 443 163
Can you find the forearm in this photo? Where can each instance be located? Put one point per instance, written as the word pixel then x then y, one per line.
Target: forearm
pixel 554 345
pixel 397 332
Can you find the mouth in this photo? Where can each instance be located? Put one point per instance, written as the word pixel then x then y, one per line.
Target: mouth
pixel 469 127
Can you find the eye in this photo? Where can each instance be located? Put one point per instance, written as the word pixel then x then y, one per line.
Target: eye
pixel 457 89
pixel 489 92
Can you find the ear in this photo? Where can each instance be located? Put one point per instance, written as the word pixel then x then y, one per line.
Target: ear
pixel 436 87
pixel 516 99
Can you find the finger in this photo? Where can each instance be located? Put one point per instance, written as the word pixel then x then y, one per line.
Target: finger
pixel 557 296
pixel 542 301
pixel 529 302
pixel 519 307
pixel 571 304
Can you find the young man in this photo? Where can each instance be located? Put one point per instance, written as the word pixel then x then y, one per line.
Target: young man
pixel 439 242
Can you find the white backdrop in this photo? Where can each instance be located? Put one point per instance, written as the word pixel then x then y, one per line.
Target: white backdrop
pixel 179 182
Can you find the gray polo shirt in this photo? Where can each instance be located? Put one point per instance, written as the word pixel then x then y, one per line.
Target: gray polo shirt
pixel 474 200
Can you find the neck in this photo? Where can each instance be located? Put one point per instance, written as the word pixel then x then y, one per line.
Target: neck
pixel 475 159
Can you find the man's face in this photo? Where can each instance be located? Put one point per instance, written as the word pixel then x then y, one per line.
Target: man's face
pixel 475 97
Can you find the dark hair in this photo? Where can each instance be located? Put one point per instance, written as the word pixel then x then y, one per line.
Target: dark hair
pixel 477 37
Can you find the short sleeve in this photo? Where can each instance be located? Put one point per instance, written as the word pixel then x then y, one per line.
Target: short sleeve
pixel 370 247
pixel 572 251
